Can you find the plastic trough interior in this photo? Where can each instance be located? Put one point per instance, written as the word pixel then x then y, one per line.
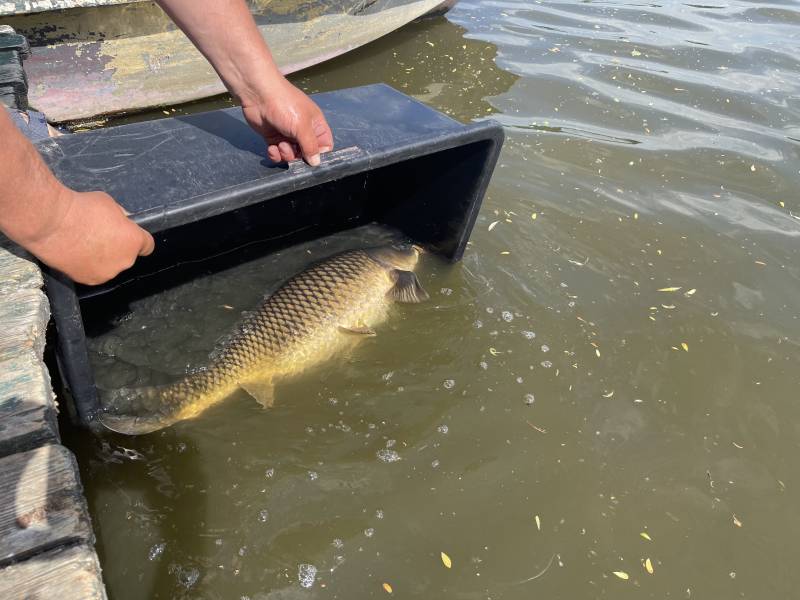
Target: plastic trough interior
pixel 202 185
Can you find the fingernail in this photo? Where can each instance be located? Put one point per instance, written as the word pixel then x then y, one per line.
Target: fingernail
pixel 325 149
pixel 314 160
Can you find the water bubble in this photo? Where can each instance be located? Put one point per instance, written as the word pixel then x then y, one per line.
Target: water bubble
pixel 387 376
pixel 387 456
pixel 338 543
pixel 547 364
pixel 333 401
pixel 186 577
pixel 435 463
pixel 545 348
pixel 181 447
pixel 519 380
pixel 507 316
pixel 529 335
pixel 483 365
pixel 379 514
pixel 313 475
pixel 242 551
pixel 529 399
pixel 390 443
pixel 449 384
pixel 477 324
pixel 269 473
pixel 306 574
pixel 443 429
pixel 156 551
pixel 263 515
pixel 369 532
pixel 218 542
pixel 445 291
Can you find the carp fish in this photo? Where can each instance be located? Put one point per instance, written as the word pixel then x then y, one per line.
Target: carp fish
pixel 310 318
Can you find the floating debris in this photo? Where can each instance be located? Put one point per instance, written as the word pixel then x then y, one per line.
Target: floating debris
pixel 646 536
pixel 529 399
pixel 648 566
pixel 263 515
pixel 449 384
pixel 386 587
pixel 446 561
pixel 622 575
pixel 538 522
pixel 669 289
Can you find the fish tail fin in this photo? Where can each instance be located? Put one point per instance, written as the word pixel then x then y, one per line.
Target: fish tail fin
pixel 136 411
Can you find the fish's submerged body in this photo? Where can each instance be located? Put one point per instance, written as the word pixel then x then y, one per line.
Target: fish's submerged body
pixel 310 318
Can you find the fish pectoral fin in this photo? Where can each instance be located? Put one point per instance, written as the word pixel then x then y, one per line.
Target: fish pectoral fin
pixel 357 329
pixel 262 392
pixel 407 288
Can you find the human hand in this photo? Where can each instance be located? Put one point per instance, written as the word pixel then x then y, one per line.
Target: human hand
pixel 91 240
pixel 291 123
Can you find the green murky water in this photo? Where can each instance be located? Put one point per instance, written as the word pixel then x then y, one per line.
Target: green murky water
pixel 549 405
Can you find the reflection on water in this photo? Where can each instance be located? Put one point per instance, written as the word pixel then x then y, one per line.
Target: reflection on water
pixel 606 382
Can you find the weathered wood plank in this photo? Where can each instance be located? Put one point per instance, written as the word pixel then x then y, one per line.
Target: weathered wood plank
pixel 71 573
pixel 24 315
pixel 41 503
pixel 27 407
pixel 18 269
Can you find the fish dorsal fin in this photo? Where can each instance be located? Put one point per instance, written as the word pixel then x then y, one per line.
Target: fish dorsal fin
pixel 359 329
pixel 262 391
pixel 407 288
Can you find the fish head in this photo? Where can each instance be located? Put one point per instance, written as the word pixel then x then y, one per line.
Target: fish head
pixel 397 256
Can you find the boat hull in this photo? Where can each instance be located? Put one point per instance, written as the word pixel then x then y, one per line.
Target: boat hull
pixel 132 58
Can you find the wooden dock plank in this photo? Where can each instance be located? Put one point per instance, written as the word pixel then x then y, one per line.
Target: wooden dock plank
pixel 27 405
pixel 71 573
pixel 41 503
pixel 18 269
pixel 24 314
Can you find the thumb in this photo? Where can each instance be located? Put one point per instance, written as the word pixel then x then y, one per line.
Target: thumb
pixel 148 243
pixel 309 146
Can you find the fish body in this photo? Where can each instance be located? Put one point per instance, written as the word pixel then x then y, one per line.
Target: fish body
pixel 310 318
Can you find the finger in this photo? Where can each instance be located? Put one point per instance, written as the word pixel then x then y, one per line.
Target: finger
pixel 324 134
pixel 286 151
pixel 273 153
pixel 309 146
pixel 148 243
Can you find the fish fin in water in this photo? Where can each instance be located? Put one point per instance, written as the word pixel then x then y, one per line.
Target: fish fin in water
pixel 407 288
pixel 262 392
pixel 359 329
pixel 131 424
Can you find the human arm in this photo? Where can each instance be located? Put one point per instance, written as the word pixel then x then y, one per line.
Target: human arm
pixel 84 235
pixel 226 34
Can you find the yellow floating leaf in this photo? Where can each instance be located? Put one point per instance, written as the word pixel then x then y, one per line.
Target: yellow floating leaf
pixel 669 289
pixel 538 523
pixel 781 203
pixel 685 346
pixel 635 53
pixel 622 575
pixel 446 561
pixel 690 292
pixel 760 262
pixel 736 521
pixel 635 216
pixel 597 352
pixel 505 252
pixel 387 588
pixel 648 566
pixel 646 536
pixel 493 224
pixel 533 216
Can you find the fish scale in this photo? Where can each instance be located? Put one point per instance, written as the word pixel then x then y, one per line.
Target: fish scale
pixel 297 326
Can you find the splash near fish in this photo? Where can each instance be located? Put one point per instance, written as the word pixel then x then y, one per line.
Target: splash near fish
pixel 310 318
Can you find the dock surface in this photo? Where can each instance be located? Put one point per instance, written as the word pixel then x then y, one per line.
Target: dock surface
pixel 46 539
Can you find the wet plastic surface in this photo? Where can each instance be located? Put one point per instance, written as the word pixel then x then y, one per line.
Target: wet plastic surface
pixel 202 185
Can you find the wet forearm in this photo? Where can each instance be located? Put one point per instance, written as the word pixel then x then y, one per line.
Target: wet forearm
pixel 32 200
pixel 225 32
